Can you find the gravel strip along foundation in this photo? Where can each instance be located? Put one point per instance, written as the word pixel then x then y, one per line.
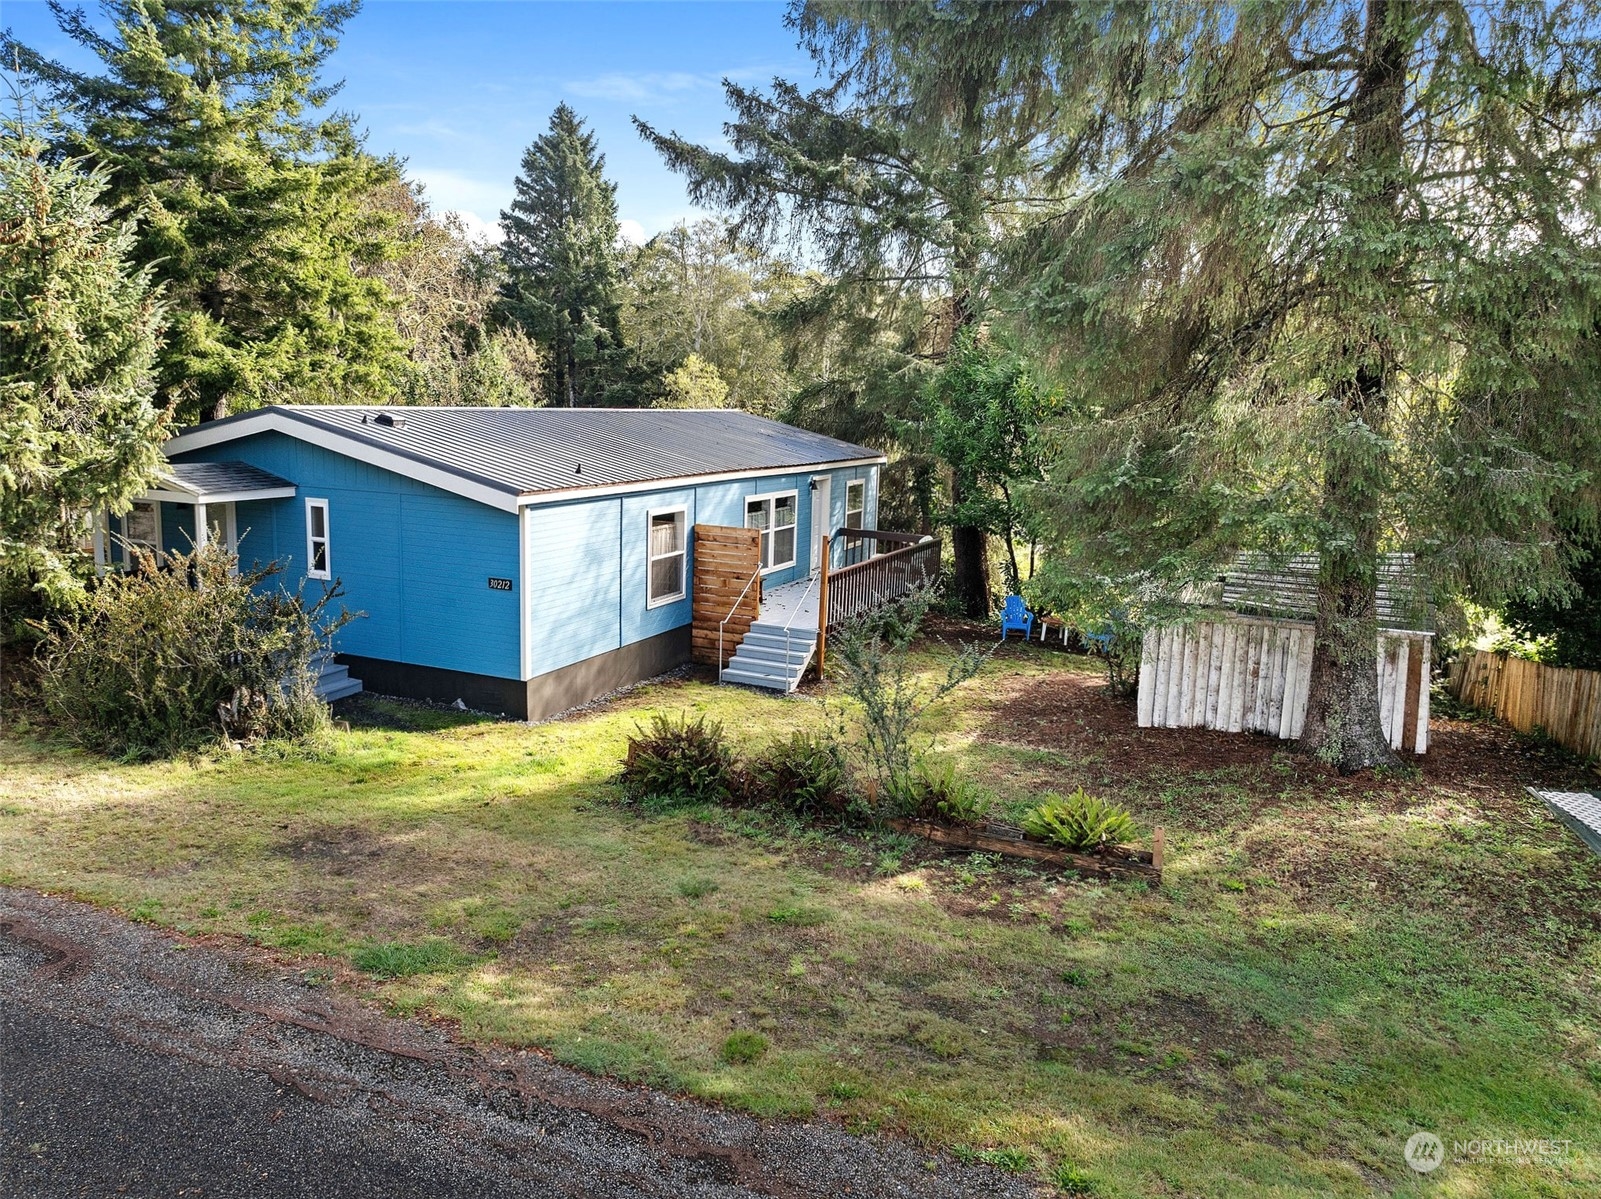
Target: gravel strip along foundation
pixel 133 1063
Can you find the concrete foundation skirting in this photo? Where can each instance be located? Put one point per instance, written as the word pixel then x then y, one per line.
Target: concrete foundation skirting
pixel 539 697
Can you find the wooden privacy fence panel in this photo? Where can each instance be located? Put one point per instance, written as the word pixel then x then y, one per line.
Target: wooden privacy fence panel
pixel 1251 674
pixel 880 579
pixel 726 560
pixel 1562 702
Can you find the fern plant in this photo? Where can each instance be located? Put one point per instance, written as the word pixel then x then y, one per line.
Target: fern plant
pixel 1079 822
pixel 678 763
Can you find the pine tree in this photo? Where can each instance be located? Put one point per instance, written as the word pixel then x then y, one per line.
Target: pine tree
pixel 1327 278
pixel 79 331
pixel 562 259
pixel 254 222
pixel 896 176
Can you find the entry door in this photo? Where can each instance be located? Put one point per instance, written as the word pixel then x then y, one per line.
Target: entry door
pixel 822 513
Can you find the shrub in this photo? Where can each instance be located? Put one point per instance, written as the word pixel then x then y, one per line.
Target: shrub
pixel 677 763
pixel 1079 822
pixel 938 793
pixel 804 773
pixel 161 660
pixel 870 658
pixel 743 1047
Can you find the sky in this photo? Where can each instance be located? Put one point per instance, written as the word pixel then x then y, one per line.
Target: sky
pixel 459 88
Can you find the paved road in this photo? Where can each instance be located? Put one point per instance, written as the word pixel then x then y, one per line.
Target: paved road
pixel 132 1064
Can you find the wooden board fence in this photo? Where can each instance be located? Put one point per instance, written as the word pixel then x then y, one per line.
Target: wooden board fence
pixel 725 559
pixel 1251 674
pixel 1562 702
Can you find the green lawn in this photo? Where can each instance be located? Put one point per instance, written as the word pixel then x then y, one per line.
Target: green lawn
pixel 1327 967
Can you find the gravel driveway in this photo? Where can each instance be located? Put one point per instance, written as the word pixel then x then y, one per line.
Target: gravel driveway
pixel 135 1064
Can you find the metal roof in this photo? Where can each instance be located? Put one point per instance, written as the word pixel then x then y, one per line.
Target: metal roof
pixel 1288 588
pixel 524 451
pixel 206 479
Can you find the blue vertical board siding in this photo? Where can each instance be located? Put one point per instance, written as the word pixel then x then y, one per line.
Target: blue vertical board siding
pixel 257 523
pixel 177 523
pixel 414 559
pixel 576 584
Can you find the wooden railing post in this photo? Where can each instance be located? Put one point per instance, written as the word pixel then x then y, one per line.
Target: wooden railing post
pixel 822 606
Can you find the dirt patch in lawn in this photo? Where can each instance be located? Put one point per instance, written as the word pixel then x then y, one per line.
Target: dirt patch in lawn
pixel 1071 713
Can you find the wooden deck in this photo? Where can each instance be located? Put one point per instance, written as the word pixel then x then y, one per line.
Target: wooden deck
pixel 1579 810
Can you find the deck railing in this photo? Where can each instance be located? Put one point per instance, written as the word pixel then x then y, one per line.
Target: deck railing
pixel 882 578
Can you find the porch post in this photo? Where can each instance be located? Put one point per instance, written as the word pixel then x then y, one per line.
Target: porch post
pixel 822 603
pixel 202 534
pixel 97 537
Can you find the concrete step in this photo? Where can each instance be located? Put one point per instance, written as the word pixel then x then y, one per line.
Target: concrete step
pixel 775 632
pixel 769 641
pixel 775 655
pixel 343 690
pixel 769 682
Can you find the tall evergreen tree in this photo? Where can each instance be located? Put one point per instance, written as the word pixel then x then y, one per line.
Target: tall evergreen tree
pixel 895 176
pixel 1329 280
pixel 562 259
pixel 205 114
pixel 79 331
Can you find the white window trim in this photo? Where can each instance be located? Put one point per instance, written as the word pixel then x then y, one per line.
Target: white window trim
pixel 860 484
pixel 327 541
pixel 771 498
pixel 682 552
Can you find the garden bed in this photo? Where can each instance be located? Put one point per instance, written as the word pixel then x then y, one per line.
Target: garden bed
pixel 1113 862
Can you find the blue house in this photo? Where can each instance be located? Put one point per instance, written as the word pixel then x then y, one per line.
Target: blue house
pixel 521 560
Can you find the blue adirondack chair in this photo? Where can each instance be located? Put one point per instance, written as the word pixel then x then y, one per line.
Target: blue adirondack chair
pixel 1016 616
pixel 1099 640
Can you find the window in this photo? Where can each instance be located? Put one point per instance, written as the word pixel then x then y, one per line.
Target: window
pixel 855 511
pixel 774 515
pixel 317 540
pixel 855 504
pixel 139 526
pixel 666 552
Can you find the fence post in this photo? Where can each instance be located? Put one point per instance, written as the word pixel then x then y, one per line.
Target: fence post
pixel 822 606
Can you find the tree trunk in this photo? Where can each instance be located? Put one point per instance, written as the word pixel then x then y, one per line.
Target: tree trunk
pixel 971 574
pixel 1342 725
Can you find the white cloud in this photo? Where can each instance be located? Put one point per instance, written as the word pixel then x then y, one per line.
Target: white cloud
pixel 478 229
pixel 449 190
pixel 652 85
pixel 631 232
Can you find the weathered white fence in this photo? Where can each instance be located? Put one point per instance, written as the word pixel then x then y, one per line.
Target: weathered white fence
pixel 1250 674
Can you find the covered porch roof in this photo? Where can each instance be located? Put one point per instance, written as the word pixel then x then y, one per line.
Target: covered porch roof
pixel 215 483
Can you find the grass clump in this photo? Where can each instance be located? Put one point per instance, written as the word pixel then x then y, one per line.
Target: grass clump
pixel 743 1047
pixel 401 959
pixel 1079 822
pixel 678 763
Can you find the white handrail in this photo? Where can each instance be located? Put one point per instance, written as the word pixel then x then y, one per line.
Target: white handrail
pixel 799 608
pixel 754 576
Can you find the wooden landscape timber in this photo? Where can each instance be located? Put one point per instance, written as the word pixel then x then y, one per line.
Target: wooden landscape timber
pixel 1117 862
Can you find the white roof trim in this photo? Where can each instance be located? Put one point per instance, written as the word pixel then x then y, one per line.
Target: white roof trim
pixel 350 447
pixel 166 496
pixel 568 494
pixel 447 480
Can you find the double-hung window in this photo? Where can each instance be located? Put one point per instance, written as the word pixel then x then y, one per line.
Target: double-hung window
pixel 855 513
pixel 665 549
pixel 774 515
pixel 317 561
